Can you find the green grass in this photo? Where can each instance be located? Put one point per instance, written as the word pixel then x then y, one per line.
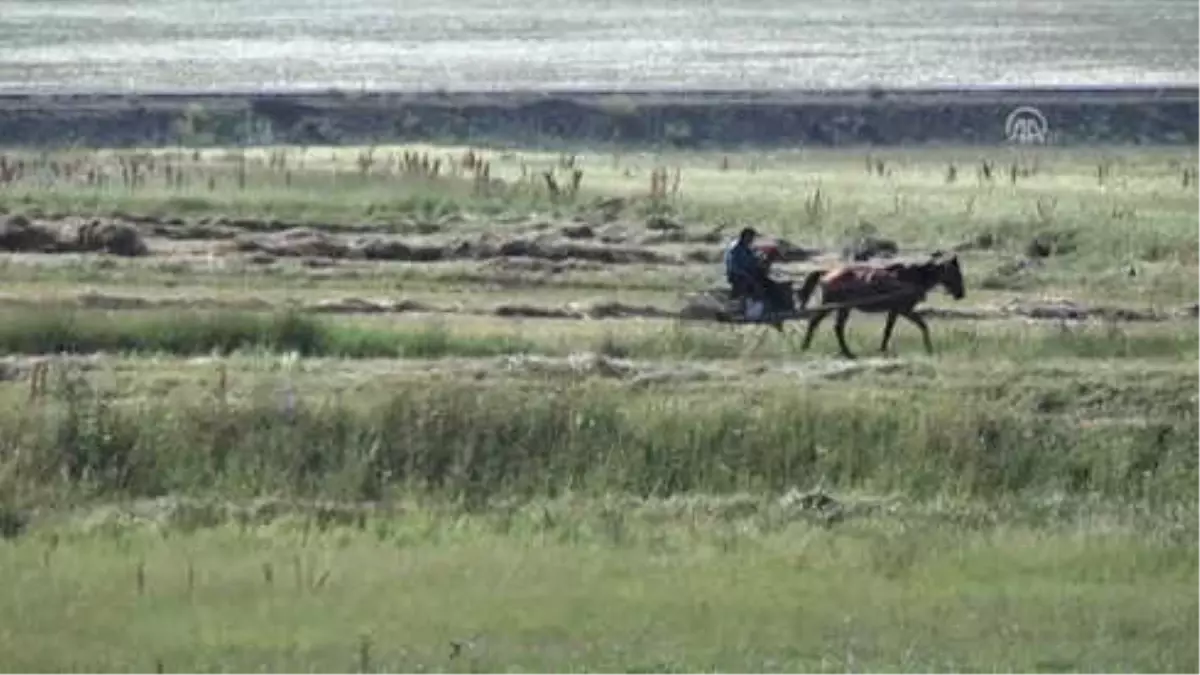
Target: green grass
pixel 1023 500
pixel 186 333
pixel 183 332
pixel 479 439
pixel 567 586
pixel 1140 209
pixel 1140 218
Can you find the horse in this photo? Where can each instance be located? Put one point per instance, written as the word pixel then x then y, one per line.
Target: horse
pixel 896 289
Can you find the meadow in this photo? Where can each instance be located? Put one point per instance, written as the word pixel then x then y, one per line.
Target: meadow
pixel 442 408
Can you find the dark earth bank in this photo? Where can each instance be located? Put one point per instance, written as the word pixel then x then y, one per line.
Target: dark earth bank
pixel 686 119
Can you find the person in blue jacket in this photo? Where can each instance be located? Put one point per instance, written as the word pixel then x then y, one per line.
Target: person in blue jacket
pixel 745 272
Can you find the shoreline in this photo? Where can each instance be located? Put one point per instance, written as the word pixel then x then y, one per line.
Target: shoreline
pixel 682 118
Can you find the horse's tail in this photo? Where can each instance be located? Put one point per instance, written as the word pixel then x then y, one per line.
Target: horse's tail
pixel 810 284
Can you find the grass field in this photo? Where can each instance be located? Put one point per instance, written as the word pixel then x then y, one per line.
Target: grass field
pixel 482 44
pixel 328 409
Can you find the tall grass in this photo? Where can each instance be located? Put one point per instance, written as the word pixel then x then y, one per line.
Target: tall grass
pixel 1141 211
pixel 379 187
pixel 184 332
pixel 475 441
pixel 202 332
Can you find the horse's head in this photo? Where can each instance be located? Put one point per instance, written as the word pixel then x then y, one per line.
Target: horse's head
pixel 949 274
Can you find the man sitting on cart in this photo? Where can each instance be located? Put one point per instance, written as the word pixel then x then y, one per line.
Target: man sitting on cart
pixel 748 271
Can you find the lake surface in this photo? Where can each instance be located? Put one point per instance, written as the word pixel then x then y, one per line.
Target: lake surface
pixel 592 44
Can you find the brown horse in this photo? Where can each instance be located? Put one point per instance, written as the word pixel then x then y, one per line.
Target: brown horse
pixel 896 289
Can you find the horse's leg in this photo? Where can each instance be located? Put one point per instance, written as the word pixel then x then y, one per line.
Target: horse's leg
pixel 916 319
pixel 888 325
pixel 812 327
pixel 839 328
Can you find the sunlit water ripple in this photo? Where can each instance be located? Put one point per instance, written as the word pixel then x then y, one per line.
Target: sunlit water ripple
pixel 603 44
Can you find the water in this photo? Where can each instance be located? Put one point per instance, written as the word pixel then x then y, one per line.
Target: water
pixel 592 44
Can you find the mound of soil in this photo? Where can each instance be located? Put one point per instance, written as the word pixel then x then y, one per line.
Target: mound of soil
pixel 961 314
pixel 307 243
pixel 525 267
pixel 297 242
pixel 576 310
pixel 530 312
pixel 364 306
pixel 579 231
pixel 117 238
pixel 681 236
pixel 579 365
pixel 21 235
pixel 592 364
pixel 380 248
pixel 1072 311
pixel 609 309
pixel 704 306
pixel 551 250
pixel 203 231
pixel 93 300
